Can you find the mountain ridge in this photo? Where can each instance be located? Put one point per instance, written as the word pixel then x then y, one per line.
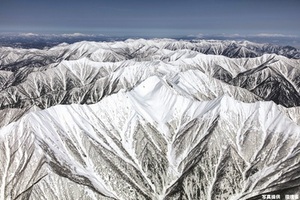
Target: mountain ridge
pixel 215 114
pixel 147 119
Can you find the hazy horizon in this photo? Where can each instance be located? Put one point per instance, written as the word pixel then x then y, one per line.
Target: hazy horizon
pixel 35 40
pixel 153 18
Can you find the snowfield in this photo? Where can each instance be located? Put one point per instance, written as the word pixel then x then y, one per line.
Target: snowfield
pixel 149 119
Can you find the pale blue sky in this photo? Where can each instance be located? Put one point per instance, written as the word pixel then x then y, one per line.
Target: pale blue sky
pixel 158 18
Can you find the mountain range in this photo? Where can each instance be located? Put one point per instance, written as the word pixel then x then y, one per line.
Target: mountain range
pixel 150 119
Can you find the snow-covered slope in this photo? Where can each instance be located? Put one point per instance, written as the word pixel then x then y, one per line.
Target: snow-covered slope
pixel 152 143
pixel 85 72
pixel 148 119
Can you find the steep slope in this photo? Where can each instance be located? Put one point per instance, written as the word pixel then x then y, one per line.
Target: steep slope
pixel 14 58
pixel 72 73
pixel 83 81
pixel 154 143
pixel 149 119
pixel 96 74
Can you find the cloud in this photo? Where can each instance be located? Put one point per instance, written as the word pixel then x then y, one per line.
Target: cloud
pixel 223 35
pixel 272 35
pixel 199 35
pixel 79 35
pixel 245 36
pixel 28 34
pixel 74 35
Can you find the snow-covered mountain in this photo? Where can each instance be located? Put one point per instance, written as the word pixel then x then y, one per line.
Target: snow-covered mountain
pixel 85 72
pixel 147 119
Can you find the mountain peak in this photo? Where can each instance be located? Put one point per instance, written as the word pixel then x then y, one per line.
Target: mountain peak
pixel 149 119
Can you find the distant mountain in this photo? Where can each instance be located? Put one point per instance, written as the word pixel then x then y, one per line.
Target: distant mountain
pixel 149 119
pixel 41 41
pixel 85 72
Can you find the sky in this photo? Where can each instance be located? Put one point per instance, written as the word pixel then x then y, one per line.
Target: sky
pixel 156 18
